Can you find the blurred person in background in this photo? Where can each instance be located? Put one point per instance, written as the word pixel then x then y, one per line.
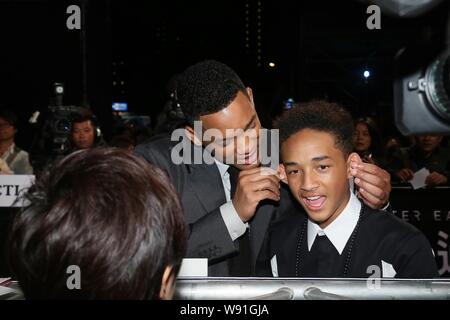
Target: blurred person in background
pixel 367 141
pixel 13 160
pixel 123 142
pixel 427 153
pixel 85 133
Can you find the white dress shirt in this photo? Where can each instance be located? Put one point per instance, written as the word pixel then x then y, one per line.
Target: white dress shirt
pixel 340 230
pixel 233 222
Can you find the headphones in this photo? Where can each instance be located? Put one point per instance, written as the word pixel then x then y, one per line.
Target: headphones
pixel 97 130
pixel 87 115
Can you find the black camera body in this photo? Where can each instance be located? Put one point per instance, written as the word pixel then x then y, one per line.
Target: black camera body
pixel 59 125
pixel 422 91
pixel 52 141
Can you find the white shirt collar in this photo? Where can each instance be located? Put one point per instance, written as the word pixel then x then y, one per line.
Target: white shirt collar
pixel 223 168
pixel 340 230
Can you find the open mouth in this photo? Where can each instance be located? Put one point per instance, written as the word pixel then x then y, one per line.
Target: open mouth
pixel 314 203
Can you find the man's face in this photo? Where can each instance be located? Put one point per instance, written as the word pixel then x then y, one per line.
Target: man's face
pixel 7 131
pixel 83 134
pixel 428 143
pixel 317 174
pixel 361 138
pixel 238 146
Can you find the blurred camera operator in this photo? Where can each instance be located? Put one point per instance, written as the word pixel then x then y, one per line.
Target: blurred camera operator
pixel 85 133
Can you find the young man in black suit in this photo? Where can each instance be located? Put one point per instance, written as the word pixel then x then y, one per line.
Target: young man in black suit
pixel 228 199
pixel 339 236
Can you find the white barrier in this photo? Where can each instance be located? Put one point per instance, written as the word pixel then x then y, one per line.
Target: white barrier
pixel 311 289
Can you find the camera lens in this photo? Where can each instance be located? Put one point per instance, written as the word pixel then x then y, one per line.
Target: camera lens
pixel 438 86
pixel 62 126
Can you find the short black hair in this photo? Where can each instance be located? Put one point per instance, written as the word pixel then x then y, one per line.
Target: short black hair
pixel 207 87
pixel 320 116
pixel 84 114
pixel 107 211
pixel 9 117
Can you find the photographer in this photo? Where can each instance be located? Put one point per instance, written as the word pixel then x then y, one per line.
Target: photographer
pixel 84 133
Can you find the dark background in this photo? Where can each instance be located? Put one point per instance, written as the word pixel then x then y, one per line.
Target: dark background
pixel 127 52
pixel 320 50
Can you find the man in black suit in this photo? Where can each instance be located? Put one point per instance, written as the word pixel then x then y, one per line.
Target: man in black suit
pixel 228 198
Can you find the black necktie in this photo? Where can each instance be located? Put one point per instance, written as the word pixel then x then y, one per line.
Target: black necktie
pixel 234 176
pixel 326 254
pixel 240 265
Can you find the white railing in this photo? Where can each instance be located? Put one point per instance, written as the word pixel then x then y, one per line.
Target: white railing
pixel 311 289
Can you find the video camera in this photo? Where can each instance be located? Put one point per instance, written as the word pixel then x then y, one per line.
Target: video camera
pixel 52 141
pixel 422 93
pixel 58 126
pixel 422 73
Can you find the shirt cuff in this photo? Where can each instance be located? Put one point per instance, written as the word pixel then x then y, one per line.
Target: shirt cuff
pixel 233 222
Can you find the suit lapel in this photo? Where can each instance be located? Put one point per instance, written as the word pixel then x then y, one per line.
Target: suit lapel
pixel 259 226
pixel 206 183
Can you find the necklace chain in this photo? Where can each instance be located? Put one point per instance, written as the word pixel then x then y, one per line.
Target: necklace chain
pixel 349 252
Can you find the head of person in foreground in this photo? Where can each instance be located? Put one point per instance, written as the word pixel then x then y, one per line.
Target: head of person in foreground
pixel 102 224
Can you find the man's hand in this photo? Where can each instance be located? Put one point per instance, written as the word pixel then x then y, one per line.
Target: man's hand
pixel 435 179
pixel 405 174
pixel 253 186
pixel 374 184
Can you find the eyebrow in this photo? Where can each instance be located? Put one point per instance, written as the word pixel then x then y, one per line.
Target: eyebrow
pixel 315 159
pixel 247 126
pixel 250 122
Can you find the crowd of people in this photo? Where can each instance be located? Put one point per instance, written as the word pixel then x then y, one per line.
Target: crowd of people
pixel 426 151
pixel 400 159
pixel 127 217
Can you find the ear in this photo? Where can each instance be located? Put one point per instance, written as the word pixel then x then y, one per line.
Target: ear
pixel 190 133
pixel 355 158
pixel 282 173
pixel 250 94
pixel 167 284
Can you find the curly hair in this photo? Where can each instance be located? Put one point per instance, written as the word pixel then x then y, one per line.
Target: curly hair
pixel 320 116
pixel 207 87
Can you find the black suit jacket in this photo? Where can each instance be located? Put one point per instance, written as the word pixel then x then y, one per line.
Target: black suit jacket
pixel 381 236
pixel 201 192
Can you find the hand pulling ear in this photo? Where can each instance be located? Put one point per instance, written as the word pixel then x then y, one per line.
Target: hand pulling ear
pixel 352 160
pixel 282 173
